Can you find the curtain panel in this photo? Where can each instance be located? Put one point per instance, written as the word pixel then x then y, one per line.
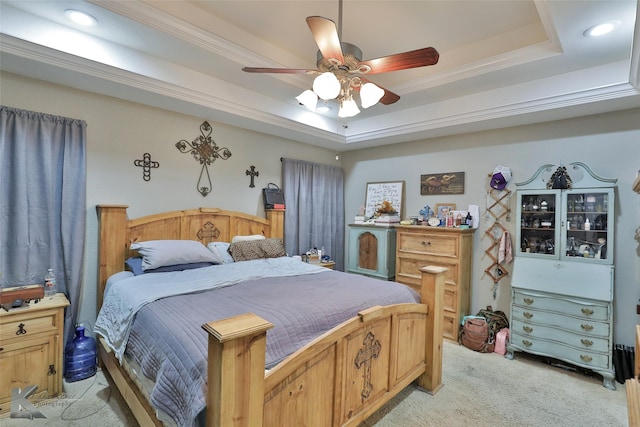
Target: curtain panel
pixel 314 197
pixel 43 202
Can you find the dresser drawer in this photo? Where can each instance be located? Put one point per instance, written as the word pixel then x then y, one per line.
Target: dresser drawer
pixel 580 341
pixel 588 327
pixel 585 358
pixel 428 244
pixel 26 326
pixel 583 309
pixel 408 266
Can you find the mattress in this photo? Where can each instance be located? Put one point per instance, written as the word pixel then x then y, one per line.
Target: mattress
pixel 167 344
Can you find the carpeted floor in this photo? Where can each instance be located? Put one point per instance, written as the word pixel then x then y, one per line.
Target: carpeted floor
pixel 479 390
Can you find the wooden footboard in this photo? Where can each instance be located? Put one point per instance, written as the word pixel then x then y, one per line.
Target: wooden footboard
pixel 339 379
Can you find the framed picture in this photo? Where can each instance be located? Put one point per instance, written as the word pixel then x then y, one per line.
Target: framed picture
pixel 378 192
pixel 442 209
pixel 442 183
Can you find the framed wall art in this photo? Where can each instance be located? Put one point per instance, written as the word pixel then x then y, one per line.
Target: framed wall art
pixel 442 183
pixel 378 192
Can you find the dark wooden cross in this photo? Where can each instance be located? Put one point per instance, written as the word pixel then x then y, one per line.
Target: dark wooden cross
pixel 252 173
pixel 205 151
pixel 146 164
pixel 371 350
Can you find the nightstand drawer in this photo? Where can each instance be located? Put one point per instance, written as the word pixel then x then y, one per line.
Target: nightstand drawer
pixel 28 326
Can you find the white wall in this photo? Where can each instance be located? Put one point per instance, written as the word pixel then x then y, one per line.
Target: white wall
pixel 609 144
pixel 120 132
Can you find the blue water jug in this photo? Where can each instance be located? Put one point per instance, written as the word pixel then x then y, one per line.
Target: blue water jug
pixel 80 357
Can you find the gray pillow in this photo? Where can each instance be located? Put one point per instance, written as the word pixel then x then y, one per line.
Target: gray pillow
pixel 221 253
pixel 159 253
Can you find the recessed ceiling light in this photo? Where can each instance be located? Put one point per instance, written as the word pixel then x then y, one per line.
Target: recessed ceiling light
pixel 81 18
pixel 601 29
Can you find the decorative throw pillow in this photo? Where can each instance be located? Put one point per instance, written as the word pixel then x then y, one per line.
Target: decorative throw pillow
pixel 159 253
pixel 220 252
pixel 257 249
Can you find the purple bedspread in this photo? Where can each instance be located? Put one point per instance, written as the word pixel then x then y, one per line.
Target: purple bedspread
pixel 169 344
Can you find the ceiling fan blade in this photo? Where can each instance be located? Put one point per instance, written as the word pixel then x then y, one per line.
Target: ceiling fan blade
pixel 326 36
pixel 388 98
pixel 279 70
pixel 402 61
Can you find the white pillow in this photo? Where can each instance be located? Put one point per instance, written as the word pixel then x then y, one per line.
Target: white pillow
pixel 159 253
pixel 247 238
pixel 220 252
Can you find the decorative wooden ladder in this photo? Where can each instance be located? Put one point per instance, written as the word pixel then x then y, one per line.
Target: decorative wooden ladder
pixel 498 206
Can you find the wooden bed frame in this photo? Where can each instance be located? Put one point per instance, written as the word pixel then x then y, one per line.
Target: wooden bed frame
pixel 339 379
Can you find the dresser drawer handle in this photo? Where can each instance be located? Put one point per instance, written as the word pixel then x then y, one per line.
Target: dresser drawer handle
pixel 527 329
pixel 586 358
pixel 21 330
pixel 587 327
pixel 527 343
pixel 527 315
pixel 587 311
pixel 586 343
pixel 426 243
pixel 528 301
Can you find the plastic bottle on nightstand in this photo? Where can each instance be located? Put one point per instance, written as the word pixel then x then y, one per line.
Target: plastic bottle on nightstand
pixel 50 288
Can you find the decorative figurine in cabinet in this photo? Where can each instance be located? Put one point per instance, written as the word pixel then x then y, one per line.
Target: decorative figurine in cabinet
pixel 562 286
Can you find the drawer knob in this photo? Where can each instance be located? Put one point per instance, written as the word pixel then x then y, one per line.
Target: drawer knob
pixel 426 243
pixel 527 329
pixel 527 315
pixel 587 311
pixel 527 343
pixel 586 343
pixel 586 358
pixel 52 370
pixel 528 301
pixel 586 327
pixel 21 330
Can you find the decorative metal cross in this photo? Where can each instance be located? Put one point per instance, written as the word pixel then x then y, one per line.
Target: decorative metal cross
pixel 146 164
pixel 252 173
pixel 205 151
pixel 370 351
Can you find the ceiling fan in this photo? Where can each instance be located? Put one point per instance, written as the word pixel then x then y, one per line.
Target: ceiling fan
pixel 341 71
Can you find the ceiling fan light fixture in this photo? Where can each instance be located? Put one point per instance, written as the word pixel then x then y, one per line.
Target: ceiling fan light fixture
pixel 309 99
pixel 370 94
pixel 348 108
pixel 326 86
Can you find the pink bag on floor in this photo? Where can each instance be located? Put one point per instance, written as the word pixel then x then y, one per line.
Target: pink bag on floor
pixel 501 341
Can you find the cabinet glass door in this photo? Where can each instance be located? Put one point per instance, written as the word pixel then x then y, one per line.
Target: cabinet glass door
pixel 539 215
pixel 588 235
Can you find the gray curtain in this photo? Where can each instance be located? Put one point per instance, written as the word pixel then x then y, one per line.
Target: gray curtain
pixel 42 202
pixel 314 198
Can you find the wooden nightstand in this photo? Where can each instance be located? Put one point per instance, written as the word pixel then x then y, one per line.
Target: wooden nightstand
pixel 31 349
pixel 328 264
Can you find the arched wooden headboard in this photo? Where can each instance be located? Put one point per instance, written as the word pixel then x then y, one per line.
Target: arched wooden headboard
pixel 116 232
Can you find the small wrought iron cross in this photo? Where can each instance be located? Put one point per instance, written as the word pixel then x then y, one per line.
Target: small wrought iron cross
pixel 146 164
pixel 252 173
pixel 205 151
pixel 370 351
